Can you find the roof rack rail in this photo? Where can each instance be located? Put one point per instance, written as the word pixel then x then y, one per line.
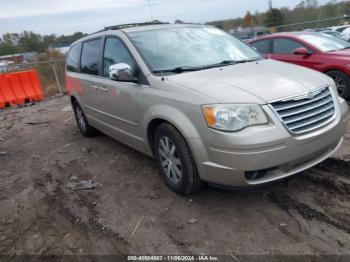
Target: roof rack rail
pixel 118 27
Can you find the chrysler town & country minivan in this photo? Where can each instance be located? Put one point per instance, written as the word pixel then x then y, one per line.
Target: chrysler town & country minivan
pixel 205 105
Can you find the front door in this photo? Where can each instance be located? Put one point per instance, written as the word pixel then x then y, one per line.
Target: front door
pixel 119 101
pixel 283 50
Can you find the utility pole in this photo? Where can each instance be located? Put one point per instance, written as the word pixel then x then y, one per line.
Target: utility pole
pixel 319 18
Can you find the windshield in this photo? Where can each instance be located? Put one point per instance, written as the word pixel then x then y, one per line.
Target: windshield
pixel 325 43
pixel 190 47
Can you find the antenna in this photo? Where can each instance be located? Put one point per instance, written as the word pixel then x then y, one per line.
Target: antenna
pixel 270 4
pixel 150 9
pixel 154 32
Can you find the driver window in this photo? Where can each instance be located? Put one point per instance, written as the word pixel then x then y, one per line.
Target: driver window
pixel 285 46
pixel 115 52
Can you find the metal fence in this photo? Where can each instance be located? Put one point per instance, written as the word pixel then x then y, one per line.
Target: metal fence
pixel 51 74
pixel 311 24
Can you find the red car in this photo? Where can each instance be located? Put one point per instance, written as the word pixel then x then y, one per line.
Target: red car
pixel 317 51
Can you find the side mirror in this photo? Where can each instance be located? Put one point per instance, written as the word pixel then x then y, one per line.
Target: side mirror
pixel 302 51
pixel 122 72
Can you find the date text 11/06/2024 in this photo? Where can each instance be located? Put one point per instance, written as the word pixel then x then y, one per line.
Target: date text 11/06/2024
pixel 173 258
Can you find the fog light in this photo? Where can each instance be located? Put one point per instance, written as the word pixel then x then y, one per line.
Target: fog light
pixel 255 175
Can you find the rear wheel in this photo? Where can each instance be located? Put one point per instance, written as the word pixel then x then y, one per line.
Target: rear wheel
pixel 342 82
pixel 84 126
pixel 175 160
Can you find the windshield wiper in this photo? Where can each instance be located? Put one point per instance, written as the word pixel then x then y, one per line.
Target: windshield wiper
pixel 181 69
pixel 178 70
pixel 246 61
pixel 223 63
pixel 229 62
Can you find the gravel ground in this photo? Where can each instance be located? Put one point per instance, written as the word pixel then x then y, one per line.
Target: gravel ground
pixel 131 211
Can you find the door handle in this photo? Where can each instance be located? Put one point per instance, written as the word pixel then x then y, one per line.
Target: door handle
pixel 103 89
pixel 94 87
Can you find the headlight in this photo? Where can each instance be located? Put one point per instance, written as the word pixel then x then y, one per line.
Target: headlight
pixel 233 117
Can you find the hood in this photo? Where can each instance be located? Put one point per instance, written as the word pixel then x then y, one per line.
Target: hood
pixel 254 82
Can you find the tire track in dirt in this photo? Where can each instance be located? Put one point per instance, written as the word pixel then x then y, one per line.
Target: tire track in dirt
pixel 287 203
pixel 324 187
pixel 92 228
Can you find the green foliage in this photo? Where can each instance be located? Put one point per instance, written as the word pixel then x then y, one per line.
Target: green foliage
pixel 30 42
pixel 11 43
pixel 274 17
pixel 306 10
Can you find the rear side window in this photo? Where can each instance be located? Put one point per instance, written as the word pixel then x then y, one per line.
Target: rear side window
pixel 262 46
pixel 90 57
pixel 285 46
pixel 115 53
pixel 73 58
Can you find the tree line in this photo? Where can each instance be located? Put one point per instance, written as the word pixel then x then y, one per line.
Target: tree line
pixel 12 43
pixel 306 10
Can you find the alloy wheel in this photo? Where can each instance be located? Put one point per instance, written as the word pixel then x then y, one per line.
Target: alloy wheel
pixel 169 159
pixel 80 118
pixel 340 83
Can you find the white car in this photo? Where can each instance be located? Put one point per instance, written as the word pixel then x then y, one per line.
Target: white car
pixel 345 34
pixel 339 28
pixel 344 31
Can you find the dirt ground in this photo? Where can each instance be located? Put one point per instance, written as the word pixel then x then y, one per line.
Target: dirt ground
pixel 131 211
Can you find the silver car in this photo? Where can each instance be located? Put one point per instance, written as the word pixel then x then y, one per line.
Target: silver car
pixel 206 106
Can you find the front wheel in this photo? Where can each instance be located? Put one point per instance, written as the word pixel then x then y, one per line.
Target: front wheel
pixel 342 81
pixel 175 161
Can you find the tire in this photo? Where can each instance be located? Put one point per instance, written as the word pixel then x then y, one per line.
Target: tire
pixel 85 129
pixel 342 81
pixel 175 161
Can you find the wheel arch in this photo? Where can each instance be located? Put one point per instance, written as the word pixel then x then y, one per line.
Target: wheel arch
pixel 346 92
pixel 73 99
pixel 327 70
pixel 166 114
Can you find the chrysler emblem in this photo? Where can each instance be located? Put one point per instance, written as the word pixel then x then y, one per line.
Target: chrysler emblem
pixel 310 95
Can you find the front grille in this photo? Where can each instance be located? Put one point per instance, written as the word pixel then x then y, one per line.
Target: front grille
pixel 306 114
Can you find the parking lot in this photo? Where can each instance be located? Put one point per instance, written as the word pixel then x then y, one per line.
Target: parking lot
pixel 131 210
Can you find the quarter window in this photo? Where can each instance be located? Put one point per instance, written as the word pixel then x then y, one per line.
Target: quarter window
pixel 115 53
pixel 73 58
pixel 285 46
pixel 90 57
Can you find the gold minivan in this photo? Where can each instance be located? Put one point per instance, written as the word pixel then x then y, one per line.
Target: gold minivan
pixel 205 105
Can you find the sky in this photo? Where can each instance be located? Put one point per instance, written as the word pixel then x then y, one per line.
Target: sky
pixel 69 16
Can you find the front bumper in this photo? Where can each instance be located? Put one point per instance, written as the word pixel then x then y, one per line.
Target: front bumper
pixel 227 157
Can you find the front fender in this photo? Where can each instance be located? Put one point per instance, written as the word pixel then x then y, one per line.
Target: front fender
pixel 172 115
